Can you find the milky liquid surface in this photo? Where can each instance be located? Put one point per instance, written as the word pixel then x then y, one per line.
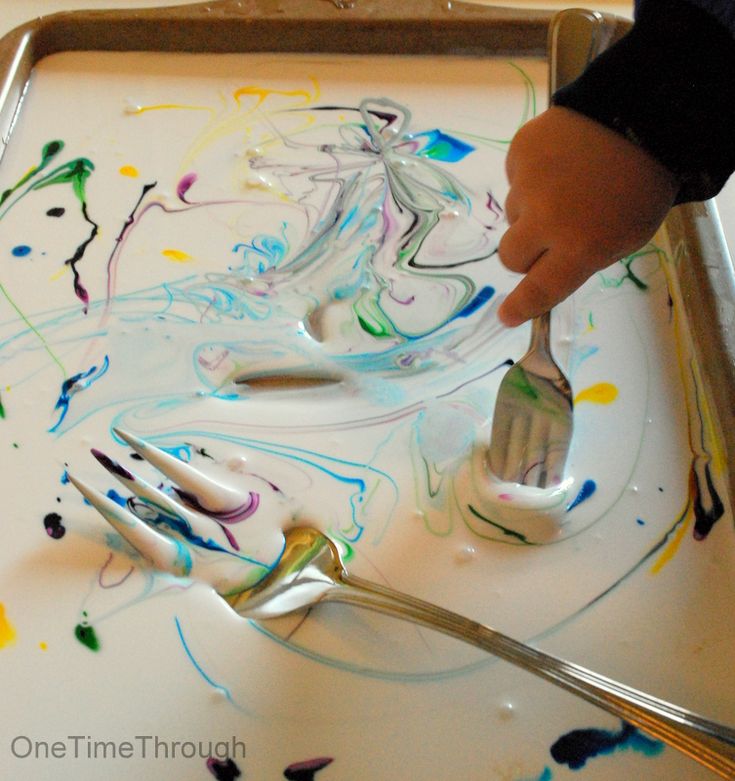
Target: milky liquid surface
pixel 283 270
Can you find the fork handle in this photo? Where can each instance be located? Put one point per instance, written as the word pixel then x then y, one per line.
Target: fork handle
pixel 541 334
pixel 708 742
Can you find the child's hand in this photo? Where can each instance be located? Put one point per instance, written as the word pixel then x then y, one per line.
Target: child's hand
pixel 581 197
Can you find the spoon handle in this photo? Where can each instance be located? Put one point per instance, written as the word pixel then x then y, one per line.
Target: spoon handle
pixel 708 742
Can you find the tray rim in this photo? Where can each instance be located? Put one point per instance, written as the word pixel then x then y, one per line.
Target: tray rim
pixel 444 27
pixel 706 277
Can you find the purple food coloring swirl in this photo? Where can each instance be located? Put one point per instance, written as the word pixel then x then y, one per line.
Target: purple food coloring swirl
pixel 112 466
pixel 236 515
pixel 184 185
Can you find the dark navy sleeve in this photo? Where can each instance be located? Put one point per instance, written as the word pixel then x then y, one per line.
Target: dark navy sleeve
pixel 669 86
pixel 722 10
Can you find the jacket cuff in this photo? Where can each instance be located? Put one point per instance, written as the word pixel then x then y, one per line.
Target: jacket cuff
pixel 668 86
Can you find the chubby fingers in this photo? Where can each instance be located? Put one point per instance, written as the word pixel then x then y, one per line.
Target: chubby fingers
pixel 550 277
pixel 521 246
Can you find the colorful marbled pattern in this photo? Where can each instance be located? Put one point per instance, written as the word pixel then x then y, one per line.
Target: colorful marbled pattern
pixel 282 271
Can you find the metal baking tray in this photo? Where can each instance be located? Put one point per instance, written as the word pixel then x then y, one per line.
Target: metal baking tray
pixel 445 28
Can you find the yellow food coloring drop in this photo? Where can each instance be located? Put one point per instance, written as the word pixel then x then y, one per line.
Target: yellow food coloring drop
pixel 129 170
pixel 601 393
pixel 7 630
pixel 176 255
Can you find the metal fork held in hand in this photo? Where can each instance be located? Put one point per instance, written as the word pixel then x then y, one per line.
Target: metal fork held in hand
pixel 533 417
pixel 310 571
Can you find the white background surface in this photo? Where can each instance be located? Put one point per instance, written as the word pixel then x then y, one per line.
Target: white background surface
pixel 15 12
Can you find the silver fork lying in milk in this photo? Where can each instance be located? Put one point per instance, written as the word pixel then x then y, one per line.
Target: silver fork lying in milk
pixel 175 533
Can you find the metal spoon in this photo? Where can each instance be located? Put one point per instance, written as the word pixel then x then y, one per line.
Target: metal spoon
pixel 311 571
